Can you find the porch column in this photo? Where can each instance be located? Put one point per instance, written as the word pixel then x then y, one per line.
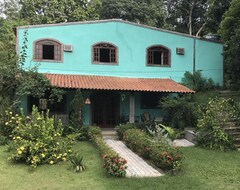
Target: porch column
pixel 132 108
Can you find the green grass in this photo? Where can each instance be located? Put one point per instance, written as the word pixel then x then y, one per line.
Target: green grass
pixel 203 169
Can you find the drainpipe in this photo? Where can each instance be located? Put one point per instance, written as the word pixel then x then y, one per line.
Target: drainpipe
pixel 194 55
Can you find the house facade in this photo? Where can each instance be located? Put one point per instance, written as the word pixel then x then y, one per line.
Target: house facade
pixel 122 68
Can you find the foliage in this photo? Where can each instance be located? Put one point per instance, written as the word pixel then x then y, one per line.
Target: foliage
pixel 57 11
pixel 35 140
pixel 166 157
pixel 114 164
pixel 230 33
pixel 121 128
pixel 196 82
pixel 217 112
pixel 77 108
pixel 161 153
pixel 186 16
pixel 215 13
pixel 149 12
pixel 138 141
pixel 77 162
pixel 3 140
pixel 9 122
pixel 195 17
pixel 180 111
pixel 162 133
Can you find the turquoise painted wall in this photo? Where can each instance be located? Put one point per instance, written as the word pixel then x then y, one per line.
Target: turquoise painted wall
pixel 132 41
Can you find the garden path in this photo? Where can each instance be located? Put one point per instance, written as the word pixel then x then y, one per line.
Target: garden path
pixel 137 167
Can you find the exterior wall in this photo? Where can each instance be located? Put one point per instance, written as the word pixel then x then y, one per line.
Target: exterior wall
pixel 132 42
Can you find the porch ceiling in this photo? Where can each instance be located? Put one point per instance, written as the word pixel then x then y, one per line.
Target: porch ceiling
pixel 116 83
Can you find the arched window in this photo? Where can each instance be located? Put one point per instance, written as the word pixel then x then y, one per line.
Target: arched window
pixel 104 53
pixel 47 50
pixel 158 56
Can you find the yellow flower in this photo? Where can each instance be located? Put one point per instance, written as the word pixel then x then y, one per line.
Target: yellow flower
pixel 10 112
pixel 64 159
pixel 18 137
pixel 19 152
pixel 43 155
pixel 51 162
pixel 69 150
pixel 12 117
pixel 21 148
pixel 65 154
pixel 57 143
pixel 16 115
pixel 6 123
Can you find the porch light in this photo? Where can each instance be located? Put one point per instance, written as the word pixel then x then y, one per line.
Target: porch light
pixel 87 101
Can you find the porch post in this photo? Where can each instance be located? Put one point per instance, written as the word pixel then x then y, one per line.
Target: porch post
pixel 132 108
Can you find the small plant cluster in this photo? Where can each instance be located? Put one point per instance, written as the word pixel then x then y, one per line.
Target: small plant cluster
pixel 121 128
pixel 113 163
pixel 211 125
pixel 138 141
pixel 77 162
pixel 160 153
pixel 38 140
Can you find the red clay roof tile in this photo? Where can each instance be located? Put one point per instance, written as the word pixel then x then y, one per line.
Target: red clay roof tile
pixel 116 83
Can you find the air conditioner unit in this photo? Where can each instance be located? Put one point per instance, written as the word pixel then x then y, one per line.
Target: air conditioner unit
pixel 68 48
pixel 180 51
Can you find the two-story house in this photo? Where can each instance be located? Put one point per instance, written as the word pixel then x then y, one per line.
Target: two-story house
pixel 123 68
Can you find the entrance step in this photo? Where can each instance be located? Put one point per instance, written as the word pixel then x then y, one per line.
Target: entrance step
pixel 137 167
pixel 109 133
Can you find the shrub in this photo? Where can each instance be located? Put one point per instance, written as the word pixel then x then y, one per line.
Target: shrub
pixel 35 140
pixel 165 156
pixel 138 141
pixel 77 161
pixel 10 121
pixel 180 111
pixel 3 140
pixel 113 163
pixel 217 112
pixel 162 154
pixel 120 129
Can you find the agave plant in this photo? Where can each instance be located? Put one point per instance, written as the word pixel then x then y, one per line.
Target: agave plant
pixel 77 162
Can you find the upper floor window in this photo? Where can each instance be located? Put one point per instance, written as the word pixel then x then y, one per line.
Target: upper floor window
pixel 158 56
pixel 48 50
pixel 104 53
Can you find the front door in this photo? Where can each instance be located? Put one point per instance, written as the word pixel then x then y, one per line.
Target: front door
pixel 105 109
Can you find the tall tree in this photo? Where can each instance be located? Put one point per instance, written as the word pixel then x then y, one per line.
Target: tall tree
pixel 230 33
pixel 150 12
pixel 186 16
pixel 56 11
pixel 215 12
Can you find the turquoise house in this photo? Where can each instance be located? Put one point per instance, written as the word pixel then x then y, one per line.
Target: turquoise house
pixel 122 68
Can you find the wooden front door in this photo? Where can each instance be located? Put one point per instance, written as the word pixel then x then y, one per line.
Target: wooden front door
pixel 105 109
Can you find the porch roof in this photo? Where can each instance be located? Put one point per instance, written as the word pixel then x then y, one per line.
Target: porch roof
pixel 116 83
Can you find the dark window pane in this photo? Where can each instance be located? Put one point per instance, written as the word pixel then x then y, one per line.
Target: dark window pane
pixel 150 100
pixel 157 58
pixel 105 55
pixel 48 52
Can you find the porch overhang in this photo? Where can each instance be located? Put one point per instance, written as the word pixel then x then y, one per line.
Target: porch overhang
pixel 93 82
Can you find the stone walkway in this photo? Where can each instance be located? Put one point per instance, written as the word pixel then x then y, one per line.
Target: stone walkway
pixel 137 167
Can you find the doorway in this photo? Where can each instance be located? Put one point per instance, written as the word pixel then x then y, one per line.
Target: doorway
pixel 105 108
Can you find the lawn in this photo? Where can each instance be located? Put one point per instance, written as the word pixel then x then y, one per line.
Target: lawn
pixel 203 169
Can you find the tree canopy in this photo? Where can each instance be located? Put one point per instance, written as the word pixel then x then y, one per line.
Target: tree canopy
pixel 149 12
pixel 56 11
pixel 230 33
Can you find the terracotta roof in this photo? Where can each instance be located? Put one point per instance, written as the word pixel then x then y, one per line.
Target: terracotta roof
pixel 116 83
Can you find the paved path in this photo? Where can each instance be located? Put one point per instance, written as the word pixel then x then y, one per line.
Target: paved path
pixel 137 167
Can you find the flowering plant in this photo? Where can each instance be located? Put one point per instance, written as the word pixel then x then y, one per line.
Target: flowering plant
pixel 115 165
pixel 38 140
pixel 165 156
